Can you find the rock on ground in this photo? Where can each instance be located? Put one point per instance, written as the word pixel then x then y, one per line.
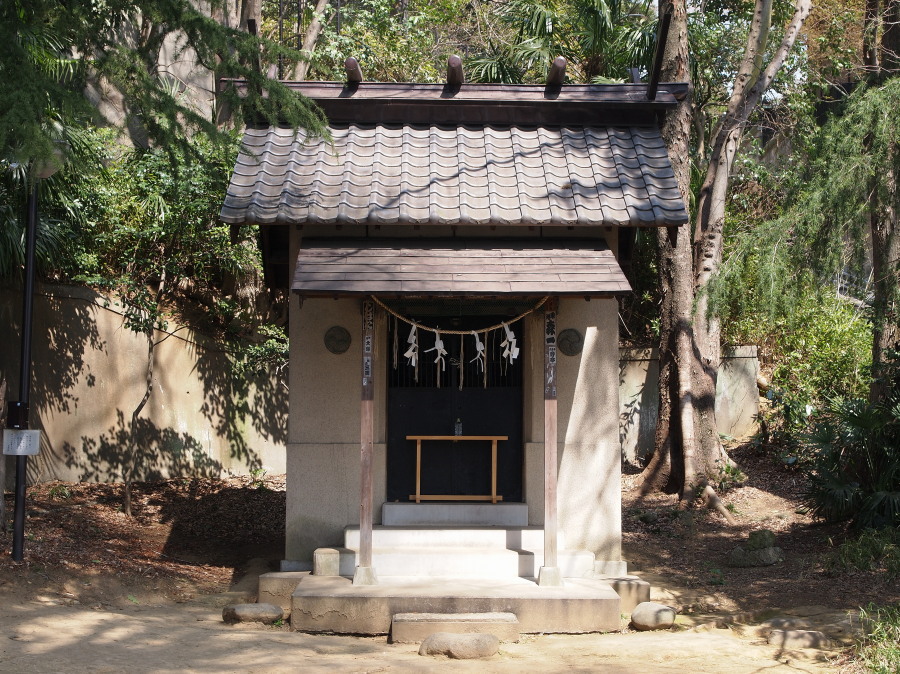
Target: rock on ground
pixel 790 639
pixel 460 646
pixel 252 613
pixel 742 557
pixel 649 615
pixel 758 540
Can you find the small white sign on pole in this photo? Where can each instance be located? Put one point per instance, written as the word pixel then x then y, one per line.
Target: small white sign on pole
pixel 21 443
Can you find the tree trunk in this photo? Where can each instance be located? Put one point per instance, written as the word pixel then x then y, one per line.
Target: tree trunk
pixel 309 40
pixel 250 9
pixel 886 280
pixel 2 457
pixel 687 448
pixel 666 470
pixel 871 23
pixel 131 459
pixel 751 83
pixel 132 456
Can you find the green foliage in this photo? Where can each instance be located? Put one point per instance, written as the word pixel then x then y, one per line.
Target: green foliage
pixel 149 230
pixel 824 230
pixel 52 52
pixel 854 469
pixel 266 356
pixel 391 45
pixel 60 492
pixel 873 550
pixel 601 39
pixel 879 648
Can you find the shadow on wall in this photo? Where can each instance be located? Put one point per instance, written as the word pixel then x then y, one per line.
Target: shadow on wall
pixel 201 419
pixel 233 405
pixel 160 452
pixel 71 335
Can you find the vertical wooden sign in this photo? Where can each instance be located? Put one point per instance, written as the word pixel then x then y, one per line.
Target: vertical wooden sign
pixel 549 573
pixel 365 575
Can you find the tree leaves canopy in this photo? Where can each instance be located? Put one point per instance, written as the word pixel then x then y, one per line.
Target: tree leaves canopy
pixel 50 52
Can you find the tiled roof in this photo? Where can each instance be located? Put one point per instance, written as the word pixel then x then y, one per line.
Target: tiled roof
pixel 456 175
pixel 424 266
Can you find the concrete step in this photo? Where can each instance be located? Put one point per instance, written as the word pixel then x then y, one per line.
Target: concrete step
pixel 571 563
pixel 418 561
pixel 470 561
pixel 501 538
pixel 450 514
pixel 414 628
pixel 334 604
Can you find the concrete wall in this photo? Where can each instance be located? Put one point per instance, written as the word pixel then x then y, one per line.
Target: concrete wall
pixel 323 431
pixel 89 374
pixel 737 400
pixel 589 498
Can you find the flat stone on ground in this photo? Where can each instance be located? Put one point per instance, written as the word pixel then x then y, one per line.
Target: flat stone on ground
pixel 649 615
pixel 460 646
pixel 252 613
pixel 791 639
pixel 413 628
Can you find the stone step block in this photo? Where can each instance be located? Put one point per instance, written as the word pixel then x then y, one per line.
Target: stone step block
pixel 397 561
pixel 449 514
pixel 413 628
pixel 571 563
pixel 334 604
pixel 277 588
pixel 516 538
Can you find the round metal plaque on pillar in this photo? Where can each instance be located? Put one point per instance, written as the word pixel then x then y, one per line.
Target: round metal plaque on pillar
pixel 337 339
pixel 570 342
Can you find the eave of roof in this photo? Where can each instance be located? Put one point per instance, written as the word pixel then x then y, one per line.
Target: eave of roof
pixel 457 268
pixel 391 103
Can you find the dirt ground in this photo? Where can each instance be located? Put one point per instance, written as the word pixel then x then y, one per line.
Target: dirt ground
pixel 100 592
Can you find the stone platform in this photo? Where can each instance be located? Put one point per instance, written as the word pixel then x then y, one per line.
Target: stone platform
pixel 334 604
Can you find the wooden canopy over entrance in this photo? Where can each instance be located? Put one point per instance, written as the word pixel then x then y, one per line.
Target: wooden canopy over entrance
pixel 456 267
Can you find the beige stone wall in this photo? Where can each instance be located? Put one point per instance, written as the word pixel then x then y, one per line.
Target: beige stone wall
pixel 89 374
pixel 324 427
pixel 589 499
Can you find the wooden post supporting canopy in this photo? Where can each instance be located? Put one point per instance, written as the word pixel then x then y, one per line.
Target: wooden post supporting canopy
pixel 549 574
pixel 365 572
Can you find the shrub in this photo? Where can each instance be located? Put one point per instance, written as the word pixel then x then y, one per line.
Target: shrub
pixel 872 550
pixel 854 471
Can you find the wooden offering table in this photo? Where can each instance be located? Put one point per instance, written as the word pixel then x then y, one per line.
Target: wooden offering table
pixel 492 497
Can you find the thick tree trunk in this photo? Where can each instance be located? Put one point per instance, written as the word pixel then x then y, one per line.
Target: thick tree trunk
pixel 666 470
pixel 309 40
pixel 689 337
pixel 751 83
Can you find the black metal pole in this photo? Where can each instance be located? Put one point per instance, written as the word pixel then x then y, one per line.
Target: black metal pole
pixel 25 370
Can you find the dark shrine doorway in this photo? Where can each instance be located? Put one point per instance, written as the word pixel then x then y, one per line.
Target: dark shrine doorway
pixel 484 401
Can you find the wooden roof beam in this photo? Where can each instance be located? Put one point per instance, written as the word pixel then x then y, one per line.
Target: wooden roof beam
pixel 354 72
pixel 662 37
pixel 455 76
pixel 557 72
